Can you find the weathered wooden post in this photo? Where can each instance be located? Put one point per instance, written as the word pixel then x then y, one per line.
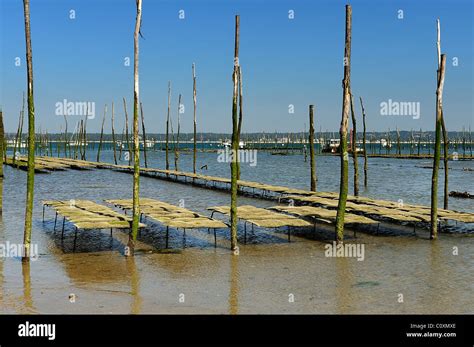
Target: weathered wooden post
pixel 354 148
pixel 311 148
pixel 195 127
pixel 235 144
pixel 167 127
pixel 101 135
pixel 136 144
pixel 144 134
pixel 17 142
pixel 399 147
pixel 122 141
pixel 84 134
pixel 176 145
pixel 113 136
pixel 363 142
pixel 30 183
pixel 127 137
pixel 239 126
pixel 419 142
pixel 341 207
pixel 437 150
pixel 443 128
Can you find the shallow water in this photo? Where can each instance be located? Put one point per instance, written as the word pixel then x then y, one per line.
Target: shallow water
pixel 269 272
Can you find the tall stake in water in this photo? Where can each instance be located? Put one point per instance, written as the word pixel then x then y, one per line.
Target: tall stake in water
pixel 239 126
pixel 363 141
pixel 144 134
pixel 399 147
pixel 30 183
pixel 194 117
pixel 101 135
pixel 437 150
pixel 113 135
pixel 443 128
pixel 176 145
pixel 311 148
pixel 341 207
pixel 168 128
pixel 136 144
pixel 127 137
pixel 235 144
pixel 354 149
pixel 17 143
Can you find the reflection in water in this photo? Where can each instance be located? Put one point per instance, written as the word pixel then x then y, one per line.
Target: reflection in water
pixel 136 305
pixel 94 268
pixel 27 298
pixel 439 281
pixel 234 285
pixel 343 284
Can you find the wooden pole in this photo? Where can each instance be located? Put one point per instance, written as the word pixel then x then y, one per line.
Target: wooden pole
pixel 127 137
pixel 30 183
pixel 101 135
pixel 235 144
pixel 122 142
pixel 113 136
pixel 48 141
pixel 65 138
pixel 195 127
pixel 20 130
pixel 136 144
pixel 363 142
pixel 144 134
pixel 167 127
pixel 311 148
pixel 437 150
pixel 176 145
pixel 76 140
pixel 399 147
pixel 17 142
pixel 84 134
pixel 239 126
pixel 443 128
pixel 341 207
pixel 419 141
pixel 354 148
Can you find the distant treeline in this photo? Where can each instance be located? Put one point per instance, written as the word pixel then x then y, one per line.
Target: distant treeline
pixel 270 137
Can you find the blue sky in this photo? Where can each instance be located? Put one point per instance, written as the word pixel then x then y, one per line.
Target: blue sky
pixel 284 61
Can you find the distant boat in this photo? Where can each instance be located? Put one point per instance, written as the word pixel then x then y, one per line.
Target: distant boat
pixel 385 143
pixel 332 146
pixel 228 144
pixel 11 143
pixel 148 143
